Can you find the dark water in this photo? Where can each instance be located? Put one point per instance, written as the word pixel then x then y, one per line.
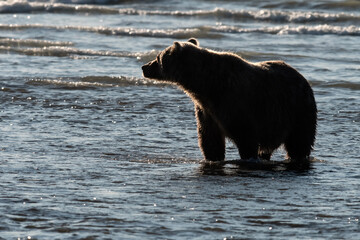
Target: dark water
pixel 89 149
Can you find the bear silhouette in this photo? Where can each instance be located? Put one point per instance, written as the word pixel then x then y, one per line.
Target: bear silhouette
pixel 259 106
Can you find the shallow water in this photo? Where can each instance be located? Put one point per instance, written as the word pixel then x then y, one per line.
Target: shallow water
pixel 89 149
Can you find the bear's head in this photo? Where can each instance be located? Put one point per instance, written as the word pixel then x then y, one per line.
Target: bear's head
pixel 167 64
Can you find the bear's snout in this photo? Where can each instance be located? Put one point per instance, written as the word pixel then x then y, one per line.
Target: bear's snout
pixel 144 67
pixel 146 70
pixel 152 70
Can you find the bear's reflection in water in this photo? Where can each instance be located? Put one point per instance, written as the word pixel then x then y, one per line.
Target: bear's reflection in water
pixel 248 166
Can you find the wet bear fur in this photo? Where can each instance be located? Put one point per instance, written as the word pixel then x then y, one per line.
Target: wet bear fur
pixel 259 106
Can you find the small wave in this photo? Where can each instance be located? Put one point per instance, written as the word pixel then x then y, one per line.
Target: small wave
pixel 91 82
pixel 28 7
pixel 31 42
pixel 330 5
pixel 212 32
pixel 283 30
pixel 337 84
pixel 222 13
pixel 92 1
pixel 166 160
pixel 178 33
pixel 120 81
pixel 257 15
pixel 83 83
pixel 345 5
pixel 87 82
pixel 61 51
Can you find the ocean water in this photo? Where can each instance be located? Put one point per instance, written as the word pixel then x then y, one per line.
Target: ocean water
pixel 89 149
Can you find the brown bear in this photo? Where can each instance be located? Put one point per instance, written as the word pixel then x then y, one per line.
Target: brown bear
pixel 259 106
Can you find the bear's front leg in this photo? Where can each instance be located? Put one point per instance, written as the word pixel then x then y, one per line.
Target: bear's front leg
pixel 211 139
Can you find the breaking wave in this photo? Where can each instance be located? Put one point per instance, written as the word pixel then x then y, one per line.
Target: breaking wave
pixel 91 82
pixel 31 42
pixel 198 32
pixel 267 15
pixel 257 15
pixel 81 83
pixel 325 4
pixel 28 7
pixel 35 47
pixel 182 33
pixel 323 29
pixel 60 51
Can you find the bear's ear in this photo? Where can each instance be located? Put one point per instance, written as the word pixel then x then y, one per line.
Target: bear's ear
pixel 177 46
pixel 194 41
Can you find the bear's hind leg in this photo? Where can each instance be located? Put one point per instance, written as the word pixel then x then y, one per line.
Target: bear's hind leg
pixel 301 139
pixel 299 145
pixel 211 139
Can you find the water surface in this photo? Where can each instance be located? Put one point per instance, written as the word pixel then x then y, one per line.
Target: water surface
pixel 89 149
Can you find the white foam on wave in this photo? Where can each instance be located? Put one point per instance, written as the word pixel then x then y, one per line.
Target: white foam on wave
pixel 177 33
pixel 90 1
pixel 87 82
pixel 199 32
pixel 27 7
pixel 63 51
pixel 66 84
pixel 31 42
pixel 257 15
pixel 323 29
